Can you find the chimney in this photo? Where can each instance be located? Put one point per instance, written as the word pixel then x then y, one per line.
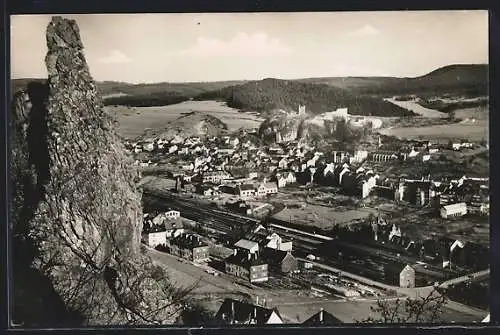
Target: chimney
pixel 321 315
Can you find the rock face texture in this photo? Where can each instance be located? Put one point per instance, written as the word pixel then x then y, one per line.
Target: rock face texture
pixel 77 214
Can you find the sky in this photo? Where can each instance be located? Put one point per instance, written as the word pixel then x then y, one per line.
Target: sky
pixel 143 48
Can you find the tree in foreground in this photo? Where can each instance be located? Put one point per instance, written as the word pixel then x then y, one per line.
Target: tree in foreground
pixel 427 309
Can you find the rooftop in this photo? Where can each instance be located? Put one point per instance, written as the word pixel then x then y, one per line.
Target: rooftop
pixel 273 256
pixel 241 312
pixel 245 259
pixel 455 206
pixel 247 187
pixel 322 318
pixel 187 241
pixel 246 244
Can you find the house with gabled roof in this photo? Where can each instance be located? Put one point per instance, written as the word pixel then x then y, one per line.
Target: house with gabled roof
pixel 247 245
pixel 233 312
pixel 322 318
pixel 279 261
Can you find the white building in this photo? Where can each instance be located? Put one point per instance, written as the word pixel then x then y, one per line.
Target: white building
pixel 155 239
pixel 267 188
pixel 250 246
pixel 253 175
pixel 413 153
pixel 454 210
pixel 215 177
pixel 329 168
pixel 283 163
pixel 433 150
pixel 148 146
pixel 359 156
pixel 246 191
pixel 173 149
pixel 281 181
pixel 276 242
pixel 168 215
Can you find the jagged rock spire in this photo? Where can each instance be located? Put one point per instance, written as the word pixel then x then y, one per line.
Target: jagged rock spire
pixel 79 208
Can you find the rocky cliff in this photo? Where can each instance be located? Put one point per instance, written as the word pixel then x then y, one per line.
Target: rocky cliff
pixel 77 214
pixel 283 126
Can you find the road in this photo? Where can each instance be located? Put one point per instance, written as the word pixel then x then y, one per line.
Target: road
pixel 352 276
pixel 225 222
pixel 417 292
pixel 473 276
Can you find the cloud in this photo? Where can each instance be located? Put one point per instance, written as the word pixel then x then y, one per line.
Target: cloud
pixel 115 57
pixel 367 30
pixel 242 44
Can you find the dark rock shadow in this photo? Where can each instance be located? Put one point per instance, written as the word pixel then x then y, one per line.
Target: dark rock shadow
pixel 34 301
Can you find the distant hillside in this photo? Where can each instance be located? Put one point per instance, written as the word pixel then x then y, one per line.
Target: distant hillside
pixel 269 94
pixel 458 79
pixel 469 80
pixel 137 95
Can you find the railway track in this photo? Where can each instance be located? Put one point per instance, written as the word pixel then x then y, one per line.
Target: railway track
pixel 220 221
pixel 307 242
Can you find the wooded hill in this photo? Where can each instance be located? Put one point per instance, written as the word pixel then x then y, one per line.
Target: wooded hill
pixel 272 93
pixel 362 95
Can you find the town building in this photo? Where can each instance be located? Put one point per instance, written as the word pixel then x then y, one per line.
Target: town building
pixel 189 247
pixel 274 241
pixel 358 156
pixel 267 240
pixel 247 190
pixel 340 156
pixel 266 188
pixel 174 228
pixel 418 192
pixel 215 177
pixel 403 276
pixel 384 156
pixel 234 312
pixel 247 246
pixel 454 210
pixel 253 175
pixel 249 266
pixel 161 218
pixel 154 239
pixel 279 261
pixel 322 318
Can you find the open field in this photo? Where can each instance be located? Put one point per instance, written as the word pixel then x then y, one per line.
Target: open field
pixel 473 131
pixel 420 224
pixel 418 109
pixel 133 121
pixel 478 113
pixel 321 216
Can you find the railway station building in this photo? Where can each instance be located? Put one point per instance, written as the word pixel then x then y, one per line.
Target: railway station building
pixel 454 210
